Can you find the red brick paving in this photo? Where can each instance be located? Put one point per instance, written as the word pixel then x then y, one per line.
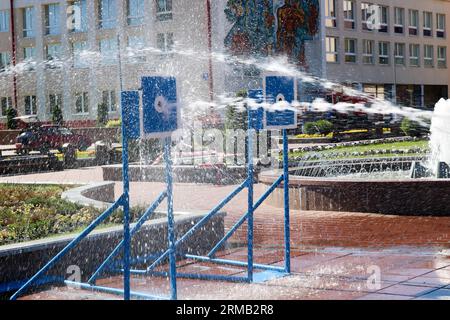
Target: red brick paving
pixel 325 273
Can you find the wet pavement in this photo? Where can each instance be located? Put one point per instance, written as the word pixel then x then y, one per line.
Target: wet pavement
pixel 331 273
pixel 335 253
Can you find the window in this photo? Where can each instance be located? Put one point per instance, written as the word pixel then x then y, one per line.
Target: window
pixel 4 20
pixel 414 55
pixel 164 9
pixel 165 42
pixel 399 20
pixel 428 56
pixel 427 24
pixel 81 103
pixel 109 100
pixel 5 60
pixel 383 53
pixel 53 51
pixel 107 14
pixel 108 51
pixel 399 54
pixel 368 52
pixel 136 11
pixel 413 22
pixel 350 50
pixel 366 13
pixel 78 60
pixel 79 22
pixel 384 19
pixel 5 104
pixel 28 22
pixel 440 25
pixel 135 49
pixel 332 49
pixel 28 53
pixel 349 14
pixel 54 100
pixel 30 105
pixel 53 54
pixel 52 19
pixel 442 57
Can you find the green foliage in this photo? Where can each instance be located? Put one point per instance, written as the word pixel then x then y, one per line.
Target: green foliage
pixel 102 115
pixel 114 123
pixel 412 128
pixel 57 115
pixel 35 212
pixel 323 127
pixel 11 123
pixel 235 117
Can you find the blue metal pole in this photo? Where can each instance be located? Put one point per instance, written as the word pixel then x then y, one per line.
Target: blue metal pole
pixel 244 218
pixel 200 223
pixel 70 246
pixel 119 292
pixel 250 199
pixel 171 220
pixel 287 231
pixel 234 263
pixel 126 210
pixel 135 229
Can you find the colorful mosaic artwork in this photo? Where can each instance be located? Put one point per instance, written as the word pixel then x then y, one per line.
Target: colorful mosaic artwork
pixel 268 27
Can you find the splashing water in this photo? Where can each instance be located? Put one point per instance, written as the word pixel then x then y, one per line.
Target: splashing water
pixel 440 135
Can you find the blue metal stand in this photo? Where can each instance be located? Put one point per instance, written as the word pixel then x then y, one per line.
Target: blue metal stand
pixel 125 245
pixel 269 271
pixel 170 255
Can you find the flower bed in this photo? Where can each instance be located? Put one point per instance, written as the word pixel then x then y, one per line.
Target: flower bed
pixel 30 212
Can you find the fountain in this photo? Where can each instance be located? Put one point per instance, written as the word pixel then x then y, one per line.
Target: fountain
pixel 407 185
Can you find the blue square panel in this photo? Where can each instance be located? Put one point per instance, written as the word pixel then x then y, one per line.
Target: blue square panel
pixel 280 89
pixel 159 106
pixel 281 119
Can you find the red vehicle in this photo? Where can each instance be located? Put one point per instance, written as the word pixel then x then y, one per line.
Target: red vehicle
pixel 49 137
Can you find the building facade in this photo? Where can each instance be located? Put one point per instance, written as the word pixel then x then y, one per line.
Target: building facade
pixel 400 54
pixel 65 52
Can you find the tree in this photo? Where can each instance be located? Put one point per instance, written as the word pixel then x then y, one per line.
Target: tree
pixel 235 118
pixel 11 122
pixel 102 115
pixel 57 115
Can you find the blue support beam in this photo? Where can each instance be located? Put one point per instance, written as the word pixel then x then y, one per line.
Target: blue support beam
pixel 67 248
pixel 170 220
pixel 244 217
pixel 287 223
pixel 135 229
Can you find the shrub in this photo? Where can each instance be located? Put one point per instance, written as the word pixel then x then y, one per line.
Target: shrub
pixel 57 115
pixel 114 123
pixel 35 212
pixel 323 127
pixel 411 128
pixel 236 118
pixel 102 115
pixel 11 123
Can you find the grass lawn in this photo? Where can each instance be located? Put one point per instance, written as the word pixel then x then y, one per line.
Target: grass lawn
pixel 404 146
pixel 31 212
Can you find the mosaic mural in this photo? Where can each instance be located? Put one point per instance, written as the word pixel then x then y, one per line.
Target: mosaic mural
pixel 269 27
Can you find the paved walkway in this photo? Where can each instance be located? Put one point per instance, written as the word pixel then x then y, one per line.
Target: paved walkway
pixel 334 252
pixel 337 274
pixel 307 228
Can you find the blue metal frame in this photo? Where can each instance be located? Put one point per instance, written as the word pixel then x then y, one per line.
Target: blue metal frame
pixel 173 243
pixel 125 244
pixel 250 265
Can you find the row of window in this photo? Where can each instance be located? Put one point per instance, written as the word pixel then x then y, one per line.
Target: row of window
pixel 81 103
pixel 384 53
pixel 107 47
pixel 376 17
pixel 107 16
